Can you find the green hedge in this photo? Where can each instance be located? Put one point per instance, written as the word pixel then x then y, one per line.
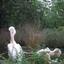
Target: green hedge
pixel 54 37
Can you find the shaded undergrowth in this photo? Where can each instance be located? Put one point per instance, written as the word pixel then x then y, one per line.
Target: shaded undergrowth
pixel 33 58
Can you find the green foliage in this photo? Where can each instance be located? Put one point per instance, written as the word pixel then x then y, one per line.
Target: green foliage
pixel 22 11
pixel 33 58
pixel 54 15
pixel 54 37
pixel 48 14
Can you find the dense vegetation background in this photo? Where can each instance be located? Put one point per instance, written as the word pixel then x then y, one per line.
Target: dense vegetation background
pixel 48 13
pixel 36 22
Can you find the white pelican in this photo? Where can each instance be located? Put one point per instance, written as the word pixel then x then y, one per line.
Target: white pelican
pixel 50 53
pixel 14 50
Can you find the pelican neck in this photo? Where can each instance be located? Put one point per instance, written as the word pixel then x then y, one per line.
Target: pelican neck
pixel 12 41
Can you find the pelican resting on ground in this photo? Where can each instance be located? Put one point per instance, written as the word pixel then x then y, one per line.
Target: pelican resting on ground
pixel 15 51
pixel 49 53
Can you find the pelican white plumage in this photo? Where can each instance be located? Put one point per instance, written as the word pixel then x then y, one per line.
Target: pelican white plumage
pixel 14 50
pixel 50 53
pixel 57 52
pixel 46 50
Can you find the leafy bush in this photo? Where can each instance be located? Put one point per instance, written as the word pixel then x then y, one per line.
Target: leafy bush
pixel 15 12
pixel 4 39
pixel 33 58
pixel 54 37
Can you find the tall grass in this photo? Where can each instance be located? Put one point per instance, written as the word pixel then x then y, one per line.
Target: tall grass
pixel 31 35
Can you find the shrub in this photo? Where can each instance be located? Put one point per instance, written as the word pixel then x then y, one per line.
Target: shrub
pixel 32 58
pixel 4 38
pixel 31 34
pixel 54 37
